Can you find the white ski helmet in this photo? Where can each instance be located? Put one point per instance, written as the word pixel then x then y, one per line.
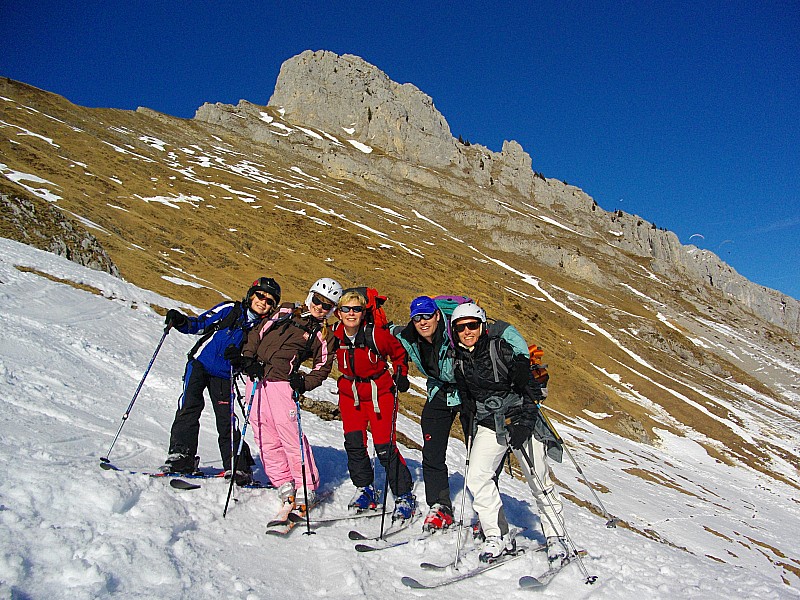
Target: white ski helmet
pixel 327 288
pixel 468 309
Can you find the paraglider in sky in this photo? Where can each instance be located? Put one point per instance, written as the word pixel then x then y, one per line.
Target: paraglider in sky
pixel 700 235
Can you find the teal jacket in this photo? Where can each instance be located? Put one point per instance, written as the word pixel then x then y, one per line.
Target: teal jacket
pixel 408 336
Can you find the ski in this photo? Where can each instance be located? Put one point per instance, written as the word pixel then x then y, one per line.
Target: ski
pixel 282 518
pixel 367 514
pixel 542 580
pixel 482 568
pixel 196 475
pixel 385 545
pixel 181 484
pixel 392 530
pixel 185 485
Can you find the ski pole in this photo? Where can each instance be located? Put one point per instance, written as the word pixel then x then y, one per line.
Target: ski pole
pixel 611 521
pixel 104 459
pixel 393 449
pixel 232 399
pixel 235 460
pixel 463 495
pixel 296 398
pixel 529 470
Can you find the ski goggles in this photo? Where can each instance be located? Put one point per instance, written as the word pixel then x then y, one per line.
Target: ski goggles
pixel 264 298
pixel 471 325
pixel 355 309
pixel 422 317
pixel 320 302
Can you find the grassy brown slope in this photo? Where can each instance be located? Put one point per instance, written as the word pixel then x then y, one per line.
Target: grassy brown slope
pixel 150 241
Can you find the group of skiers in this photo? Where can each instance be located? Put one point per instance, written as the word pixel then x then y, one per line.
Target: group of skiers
pixel 481 375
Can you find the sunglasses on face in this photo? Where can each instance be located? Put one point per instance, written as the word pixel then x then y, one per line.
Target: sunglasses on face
pixel 355 309
pixel 471 325
pixel 264 297
pixel 422 317
pixel 319 302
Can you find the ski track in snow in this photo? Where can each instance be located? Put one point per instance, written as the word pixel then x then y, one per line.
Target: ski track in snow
pixel 69 364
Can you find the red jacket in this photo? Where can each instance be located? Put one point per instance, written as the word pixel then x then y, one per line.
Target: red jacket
pixel 360 364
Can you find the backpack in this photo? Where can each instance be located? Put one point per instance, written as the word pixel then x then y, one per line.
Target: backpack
pixel 374 317
pixel 447 304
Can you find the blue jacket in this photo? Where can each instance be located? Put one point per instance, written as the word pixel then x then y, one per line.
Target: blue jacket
pixel 210 352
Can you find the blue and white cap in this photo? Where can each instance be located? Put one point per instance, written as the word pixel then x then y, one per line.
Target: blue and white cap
pixel 423 305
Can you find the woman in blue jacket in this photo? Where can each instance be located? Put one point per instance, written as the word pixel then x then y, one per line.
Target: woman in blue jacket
pixel 209 368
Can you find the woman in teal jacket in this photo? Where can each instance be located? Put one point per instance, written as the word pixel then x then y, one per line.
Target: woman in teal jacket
pixel 428 342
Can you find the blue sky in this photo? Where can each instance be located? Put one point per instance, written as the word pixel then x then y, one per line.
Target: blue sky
pixel 686 114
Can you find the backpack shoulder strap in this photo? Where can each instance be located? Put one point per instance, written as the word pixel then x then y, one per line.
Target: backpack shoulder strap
pixel 369 338
pixel 225 322
pixel 498 366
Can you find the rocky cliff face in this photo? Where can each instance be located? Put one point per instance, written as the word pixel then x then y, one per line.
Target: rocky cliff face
pixel 409 141
pixel 34 222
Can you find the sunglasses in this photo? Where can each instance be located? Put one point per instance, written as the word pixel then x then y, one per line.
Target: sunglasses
pixel 471 325
pixel 355 309
pixel 422 317
pixel 322 303
pixel 264 297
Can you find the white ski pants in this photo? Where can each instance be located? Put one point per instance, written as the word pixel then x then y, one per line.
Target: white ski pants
pixel 484 458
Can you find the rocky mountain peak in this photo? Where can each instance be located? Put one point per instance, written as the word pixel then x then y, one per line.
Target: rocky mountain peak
pixel 347 94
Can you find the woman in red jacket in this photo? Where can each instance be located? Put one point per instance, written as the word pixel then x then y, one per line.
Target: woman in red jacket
pixel 367 398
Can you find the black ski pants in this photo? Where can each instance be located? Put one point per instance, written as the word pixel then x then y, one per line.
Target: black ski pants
pixel 436 420
pixel 186 426
pixel 360 467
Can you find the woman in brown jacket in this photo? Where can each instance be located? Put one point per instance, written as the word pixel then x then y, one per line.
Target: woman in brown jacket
pixel 273 354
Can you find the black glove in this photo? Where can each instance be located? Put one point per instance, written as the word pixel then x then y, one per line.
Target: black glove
pixel 520 374
pixel 176 318
pixel 233 355
pixel 401 381
pixel 519 434
pixel 298 382
pixel 253 368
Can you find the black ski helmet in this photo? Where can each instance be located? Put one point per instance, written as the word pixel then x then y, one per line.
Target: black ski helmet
pixel 264 284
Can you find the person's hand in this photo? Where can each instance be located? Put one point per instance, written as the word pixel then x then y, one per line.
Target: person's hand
pixel 401 381
pixel 519 434
pixel 176 318
pixel 234 356
pixel 253 368
pixel 298 382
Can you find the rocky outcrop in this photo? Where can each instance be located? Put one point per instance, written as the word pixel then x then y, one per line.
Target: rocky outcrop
pixel 345 95
pixel 38 224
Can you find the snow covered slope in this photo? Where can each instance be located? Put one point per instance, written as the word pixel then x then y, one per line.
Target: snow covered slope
pixel 70 360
